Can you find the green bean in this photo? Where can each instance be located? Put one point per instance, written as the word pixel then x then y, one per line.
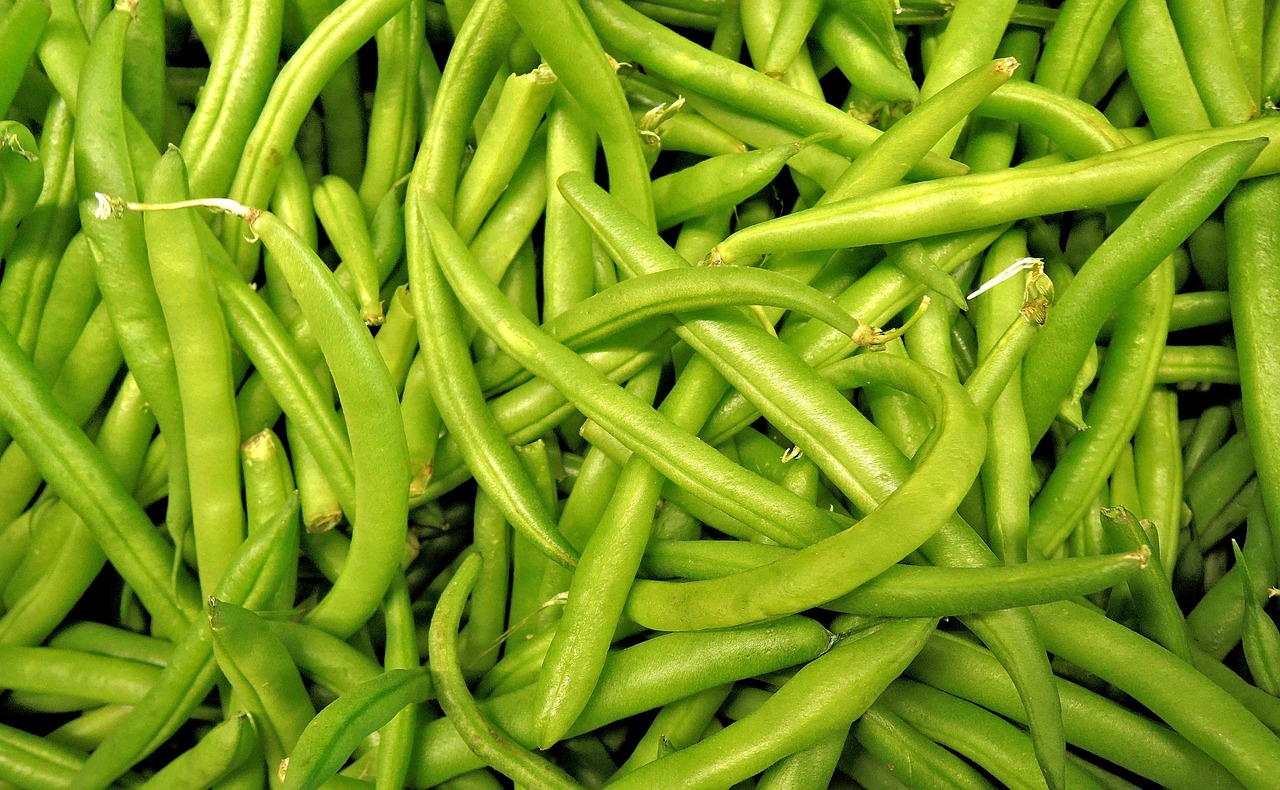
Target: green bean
pixel 971 553
pixel 1159 69
pixel 858 55
pixel 335 39
pixel 394 115
pixel 1207 437
pixel 102 162
pixel 832 690
pixel 377 441
pixel 79 389
pixel 284 370
pixel 717 183
pixel 647 675
pixel 688 464
pixel 816 162
pixel 337 730
pixel 202 356
pixel 48 219
pixel 1005 480
pixel 914 757
pixel 1113 413
pixel 1159 618
pixel 64 318
pixel 108 641
pixel 1220 476
pixel 88 730
pixel 268 482
pixel 486 739
pixel 785 586
pixel 1246 260
pixel 943 206
pixel 500 239
pixel 564 36
pixel 338 208
pixel 1093 723
pixel 1232 515
pixel 22 175
pixel 1205 34
pixel 1106 71
pixel 995 745
pixel 1075 44
pixel 1217 621
pixel 644 297
pixel 1198 365
pixel 29 761
pixel 503 145
pixel 907 590
pixel 1270 64
pixel 1074 322
pixel 599 586
pixel 1261 639
pixel 1158 462
pixel 676 59
pixel 758 22
pixel 252 578
pixel 263 676
pixel 679 724
pixel 330 662
pixel 794 25
pixel 528 565
pixel 24 24
pixel 810 768
pixel 486 622
pixel 1171 689
pixel 239 77
pixel 97 679
pixel 566 252
pixel 78 472
pixel 222 750
pixel 533 408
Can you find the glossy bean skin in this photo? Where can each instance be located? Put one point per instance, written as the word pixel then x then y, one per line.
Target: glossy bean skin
pixel 1069 630
pixel 565 37
pixel 943 206
pixel 1092 454
pixel 240 75
pixel 1159 68
pixel 496 747
pixel 679 465
pixel 1205 32
pixel 253 577
pixel 1247 254
pixel 1092 722
pixel 378 446
pixel 222 750
pixel 334 733
pixel 648 675
pixel 202 357
pixel 802 710
pixel 1077 316
pixel 759 593
pixel 262 675
pixel 908 590
pixel 292 94
pixel 103 164
pixel 676 59
pixel 982 737
pixel 79 473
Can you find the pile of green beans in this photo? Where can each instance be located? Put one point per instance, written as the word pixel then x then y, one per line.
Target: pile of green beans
pixel 777 394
